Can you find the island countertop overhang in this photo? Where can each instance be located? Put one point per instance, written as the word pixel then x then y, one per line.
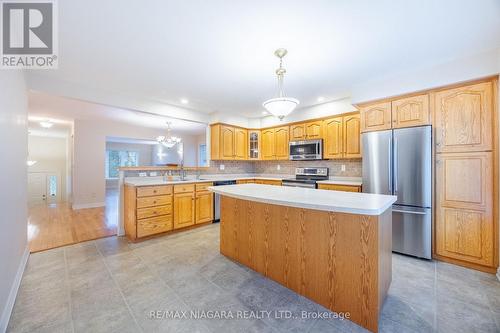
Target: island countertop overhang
pixel 324 200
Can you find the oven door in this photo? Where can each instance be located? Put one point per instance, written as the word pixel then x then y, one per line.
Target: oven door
pixel 306 150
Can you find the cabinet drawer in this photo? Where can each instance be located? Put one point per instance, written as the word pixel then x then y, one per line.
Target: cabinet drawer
pixel 334 187
pixel 203 186
pixel 143 213
pixel 147 191
pixel 160 200
pixel 154 225
pixel 184 188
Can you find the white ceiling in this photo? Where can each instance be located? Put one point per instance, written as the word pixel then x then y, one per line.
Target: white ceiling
pixel 61 110
pixel 219 53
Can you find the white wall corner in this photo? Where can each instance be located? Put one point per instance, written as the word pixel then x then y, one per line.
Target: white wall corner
pixel 498 273
pixel 88 205
pixel 4 321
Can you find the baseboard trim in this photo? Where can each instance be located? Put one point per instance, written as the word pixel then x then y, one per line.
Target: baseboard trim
pixel 89 205
pixel 4 321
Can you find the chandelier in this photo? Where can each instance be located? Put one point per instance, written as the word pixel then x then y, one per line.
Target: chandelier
pixel 280 106
pixel 168 141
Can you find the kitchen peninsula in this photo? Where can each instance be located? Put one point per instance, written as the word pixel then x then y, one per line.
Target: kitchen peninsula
pixel 332 247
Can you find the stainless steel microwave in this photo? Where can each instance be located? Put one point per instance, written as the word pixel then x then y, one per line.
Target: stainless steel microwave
pixel 306 150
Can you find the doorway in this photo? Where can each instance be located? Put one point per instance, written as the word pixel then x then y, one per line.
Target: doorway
pixel 43 187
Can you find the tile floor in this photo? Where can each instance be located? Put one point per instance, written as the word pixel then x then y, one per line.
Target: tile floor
pixel 109 285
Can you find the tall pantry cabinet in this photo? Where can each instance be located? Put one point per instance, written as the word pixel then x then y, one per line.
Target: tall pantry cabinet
pixel 465 140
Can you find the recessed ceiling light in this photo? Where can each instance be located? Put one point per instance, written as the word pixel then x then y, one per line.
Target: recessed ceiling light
pixel 46 124
pixel 184 101
pixel 321 99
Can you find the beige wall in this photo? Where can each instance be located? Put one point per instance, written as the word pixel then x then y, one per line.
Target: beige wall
pixel 89 184
pixel 51 156
pixel 13 197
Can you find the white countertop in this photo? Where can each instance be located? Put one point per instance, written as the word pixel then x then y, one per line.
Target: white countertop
pixel 326 200
pixel 158 180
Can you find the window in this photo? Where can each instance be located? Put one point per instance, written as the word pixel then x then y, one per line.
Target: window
pixel 202 158
pixel 52 185
pixel 119 158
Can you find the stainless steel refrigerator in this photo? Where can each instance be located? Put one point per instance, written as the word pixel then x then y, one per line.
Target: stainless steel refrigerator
pixel 398 162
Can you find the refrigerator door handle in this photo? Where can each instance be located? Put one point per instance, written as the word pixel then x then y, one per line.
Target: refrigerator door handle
pixel 409 212
pixel 390 168
pixel 395 167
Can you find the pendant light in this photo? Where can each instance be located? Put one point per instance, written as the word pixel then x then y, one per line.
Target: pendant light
pixel 168 141
pixel 280 106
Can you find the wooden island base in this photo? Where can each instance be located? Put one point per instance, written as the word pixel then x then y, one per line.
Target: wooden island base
pixel 341 261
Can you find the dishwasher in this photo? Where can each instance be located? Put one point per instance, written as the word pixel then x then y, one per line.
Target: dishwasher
pixel 217 198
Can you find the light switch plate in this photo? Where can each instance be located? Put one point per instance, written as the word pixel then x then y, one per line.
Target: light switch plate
pixel 278 167
pixel 221 167
pixel 342 167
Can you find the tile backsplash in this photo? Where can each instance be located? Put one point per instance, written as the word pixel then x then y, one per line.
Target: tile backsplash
pixel 352 167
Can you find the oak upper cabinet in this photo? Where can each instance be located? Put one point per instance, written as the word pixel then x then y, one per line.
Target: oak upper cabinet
pixel 342 137
pixel 333 138
pixel 240 143
pixel 465 228
pixel 376 117
pixel 464 118
pixel 281 136
pixel 204 204
pixel 184 206
pixel 411 111
pixel 254 144
pixel 228 142
pixel 314 130
pixel 306 131
pixel 297 132
pixel 268 144
pixel 352 136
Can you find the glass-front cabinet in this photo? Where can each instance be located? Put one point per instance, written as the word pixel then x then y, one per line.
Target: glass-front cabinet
pixel 254 144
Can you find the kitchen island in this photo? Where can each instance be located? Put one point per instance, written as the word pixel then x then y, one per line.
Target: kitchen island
pixel 332 247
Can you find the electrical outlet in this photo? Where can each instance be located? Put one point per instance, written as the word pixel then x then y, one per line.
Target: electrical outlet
pixel 278 167
pixel 342 168
pixel 143 174
pixel 221 167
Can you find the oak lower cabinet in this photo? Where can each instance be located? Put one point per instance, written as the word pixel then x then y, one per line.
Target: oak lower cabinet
pixel 336 187
pixel 268 182
pixel 147 210
pixel 204 203
pixel 184 206
pixel 465 227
